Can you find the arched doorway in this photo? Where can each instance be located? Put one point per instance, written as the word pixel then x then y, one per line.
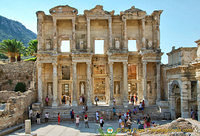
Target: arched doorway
pixel 175 102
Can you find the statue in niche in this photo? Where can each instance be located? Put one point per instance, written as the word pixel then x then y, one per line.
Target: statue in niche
pixel 149 88
pixel 150 44
pixel 49 91
pixel 81 44
pixel 82 88
pixel 48 44
pixel 117 44
pixel 117 88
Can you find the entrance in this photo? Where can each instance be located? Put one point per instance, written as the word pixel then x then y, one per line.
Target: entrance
pixel 66 95
pixel 132 90
pixel 99 90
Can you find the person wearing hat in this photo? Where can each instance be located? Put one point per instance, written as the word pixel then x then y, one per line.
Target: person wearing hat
pixel 86 121
pixel 101 122
pixel 77 121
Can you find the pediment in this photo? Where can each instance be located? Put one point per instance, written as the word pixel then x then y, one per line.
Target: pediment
pixel 133 11
pixel 98 11
pixel 64 10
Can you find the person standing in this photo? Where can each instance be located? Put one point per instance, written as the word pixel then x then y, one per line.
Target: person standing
pixel 120 122
pixel 148 121
pixel 46 117
pixel 58 118
pixel 77 121
pixel 128 123
pixel 97 116
pixel 72 115
pixel 114 101
pixel 38 117
pixel 86 121
pixel 101 122
pixel 30 115
pixel 96 100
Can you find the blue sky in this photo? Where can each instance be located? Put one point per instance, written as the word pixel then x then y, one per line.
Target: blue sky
pixel 180 20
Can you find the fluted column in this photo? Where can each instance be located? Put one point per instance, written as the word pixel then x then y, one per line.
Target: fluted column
pixel 111 83
pixel 158 82
pixel 55 35
pixel 55 85
pixel 39 31
pixel 110 32
pixel 74 93
pixel 73 35
pixel 89 91
pixel 145 82
pixel 143 33
pixel 39 67
pixel 125 84
pixel 88 34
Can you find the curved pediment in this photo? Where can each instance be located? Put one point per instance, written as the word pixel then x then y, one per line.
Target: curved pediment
pixel 98 11
pixel 64 9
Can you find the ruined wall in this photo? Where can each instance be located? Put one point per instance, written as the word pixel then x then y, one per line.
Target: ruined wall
pixel 15 110
pixel 12 73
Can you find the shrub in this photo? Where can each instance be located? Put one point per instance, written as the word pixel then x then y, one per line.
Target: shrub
pixel 20 87
pixel 31 59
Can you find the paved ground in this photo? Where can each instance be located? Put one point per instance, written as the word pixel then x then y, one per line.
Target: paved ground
pixel 69 129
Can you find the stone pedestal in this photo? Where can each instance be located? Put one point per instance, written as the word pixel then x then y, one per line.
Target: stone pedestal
pixel 27 126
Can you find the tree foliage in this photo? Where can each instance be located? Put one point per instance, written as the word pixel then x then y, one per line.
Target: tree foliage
pixel 32 48
pixel 20 87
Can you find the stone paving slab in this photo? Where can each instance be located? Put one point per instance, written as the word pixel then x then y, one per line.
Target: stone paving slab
pixel 69 128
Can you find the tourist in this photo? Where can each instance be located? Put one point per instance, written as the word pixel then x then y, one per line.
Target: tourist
pixel 101 122
pixel 72 115
pixel 132 100
pixel 129 113
pixel 114 101
pixel 64 100
pixel 81 99
pixel 86 121
pixel 77 121
pixel 145 122
pixel 135 110
pixel 47 101
pixel 97 116
pixel 141 108
pixel 83 109
pixel 38 117
pixel 96 99
pixel 114 111
pixel 143 104
pixel 30 114
pixel 86 108
pixel 46 117
pixel 129 123
pixel 136 99
pixel 140 126
pixel 148 121
pixel 120 115
pixel 120 121
pixel 58 118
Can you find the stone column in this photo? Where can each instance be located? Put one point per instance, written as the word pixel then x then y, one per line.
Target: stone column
pixel 88 34
pixel 39 31
pixel 111 83
pixel 55 35
pixel 55 85
pixel 28 126
pixel 74 92
pixel 89 84
pixel 73 35
pixel 143 33
pixel 125 34
pixel 110 32
pixel 184 99
pixel 158 82
pixel 39 67
pixel 145 82
pixel 198 98
pixel 125 84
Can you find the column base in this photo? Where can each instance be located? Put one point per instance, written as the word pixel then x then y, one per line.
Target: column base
pixel 74 103
pixel 54 104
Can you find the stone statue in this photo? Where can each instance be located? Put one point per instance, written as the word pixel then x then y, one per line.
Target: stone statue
pixel 117 88
pixel 150 43
pixel 82 88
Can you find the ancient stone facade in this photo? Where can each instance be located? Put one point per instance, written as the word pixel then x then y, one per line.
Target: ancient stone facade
pixel 117 72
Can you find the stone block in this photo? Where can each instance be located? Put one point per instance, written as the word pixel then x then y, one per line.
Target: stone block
pixel 27 126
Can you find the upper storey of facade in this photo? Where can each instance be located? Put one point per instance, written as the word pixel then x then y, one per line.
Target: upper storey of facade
pixel 97 31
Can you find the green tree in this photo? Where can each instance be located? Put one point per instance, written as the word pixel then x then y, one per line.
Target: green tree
pixel 12 48
pixel 32 48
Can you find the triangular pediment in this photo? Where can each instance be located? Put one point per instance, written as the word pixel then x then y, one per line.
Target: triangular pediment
pixel 64 9
pixel 98 10
pixel 133 11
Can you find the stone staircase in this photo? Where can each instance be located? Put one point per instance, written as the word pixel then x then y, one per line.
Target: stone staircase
pixel 104 111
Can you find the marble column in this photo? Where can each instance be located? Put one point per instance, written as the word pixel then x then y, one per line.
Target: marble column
pixel 125 34
pixel 39 31
pixel 88 34
pixel 89 84
pixel 73 35
pixel 55 85
pixel 111 83
pixel 145 82
pixel 143 33
pixel 158 82
pixel 125 84
pixel 55 35
pixel 184 98
pixel 39 67
pixel 198 98
pixel 74 92
pixel 110 32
